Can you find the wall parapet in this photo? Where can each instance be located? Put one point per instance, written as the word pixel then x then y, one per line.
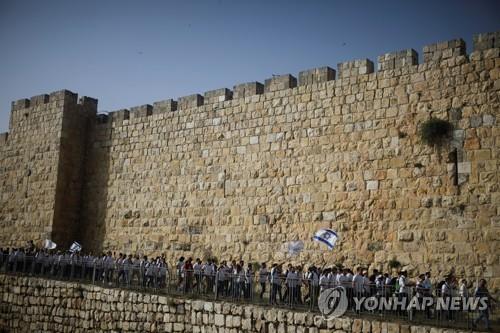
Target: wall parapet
pixel 65 95
pixel 355 68
pixel 486 41
pixel 167 105
pixel 280 82
pixel 399 59
pixel 248 89
pixel 444 50
pixel 316 75
pixel 217 95
pixel 190 101
pixel 4 137
pixel 141 111
pixel 432 53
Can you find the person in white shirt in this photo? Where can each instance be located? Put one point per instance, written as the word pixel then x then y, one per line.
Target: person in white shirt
pixel 357 283
pixel 403 288
pixel 197 274
pixel 263 278
pixel 291 282
pixel 426 284
pixel 463 290
pixel 403 291
pixel 119 267
pixel 127 268
pixel 248 281
pixel 162 272
pixel 312 277
pixel 221 279
pixel 447 293
pixel 109 264
pixel 209 273
pixel 275 283
pixel 149 266
pixel 366 283
pixel 324 280
pixel 332 277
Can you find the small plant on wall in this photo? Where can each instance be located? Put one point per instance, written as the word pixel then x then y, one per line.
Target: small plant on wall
pixel 435 132
pixel 394 264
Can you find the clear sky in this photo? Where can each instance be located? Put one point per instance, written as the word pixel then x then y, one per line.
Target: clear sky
pixel 128 53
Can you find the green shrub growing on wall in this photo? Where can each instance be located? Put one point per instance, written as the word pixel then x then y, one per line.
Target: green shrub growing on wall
pixel 393 263
pixel 435 131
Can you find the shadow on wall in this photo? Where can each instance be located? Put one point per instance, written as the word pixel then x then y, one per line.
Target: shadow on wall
pixel 92 228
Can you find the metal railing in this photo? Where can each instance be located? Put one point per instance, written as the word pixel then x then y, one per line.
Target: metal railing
pixel 247 287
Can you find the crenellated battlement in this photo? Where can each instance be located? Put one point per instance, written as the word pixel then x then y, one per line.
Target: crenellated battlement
pixel 433 54
pixel 280 82
pixel 398 59
pixel 218 95
pixel 486 41
pixel 24 108
pixel 61 95
pixel 141 111
pixel 3 138
pixel 444 50
pixel 243 90
pixel 316 75
pixel 353 68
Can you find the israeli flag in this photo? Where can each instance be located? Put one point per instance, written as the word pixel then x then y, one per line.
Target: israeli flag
pixel 75 247
pixel 326 236
pixel 48 244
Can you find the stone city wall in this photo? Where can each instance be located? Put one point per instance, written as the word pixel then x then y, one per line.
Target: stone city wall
pixel 38 305
pixel 239 173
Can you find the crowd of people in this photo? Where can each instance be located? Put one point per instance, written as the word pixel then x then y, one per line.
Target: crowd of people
pixel 291 285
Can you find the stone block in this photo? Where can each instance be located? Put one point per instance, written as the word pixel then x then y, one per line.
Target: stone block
pixel 405 236
pixel 354 68
pixel 399 59
pixel 167 105
pixel 119 115
pixel 316 75
pixel 444 50
pixel 218 95
pixel 464 167
pixel 20 104
pixel 4 137
pixel 219 320
pixel 39 100
pixel 372 185
pixel 486 41
pixel 63 95
pixel 488 120
pixel 248 89
pixel 329 216
pixel 190 101
pixel 141 111
pixel 280 82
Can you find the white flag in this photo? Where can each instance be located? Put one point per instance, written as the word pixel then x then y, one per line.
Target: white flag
pixel 295 247
pixel 326 236
pixel 48 244
pixel 75 247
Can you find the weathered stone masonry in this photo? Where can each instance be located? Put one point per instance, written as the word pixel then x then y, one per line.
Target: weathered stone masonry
pixel 37 305
pixel 238 173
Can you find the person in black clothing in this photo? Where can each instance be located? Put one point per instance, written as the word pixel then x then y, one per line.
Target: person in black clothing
pixel 484 314
pixel 373 278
